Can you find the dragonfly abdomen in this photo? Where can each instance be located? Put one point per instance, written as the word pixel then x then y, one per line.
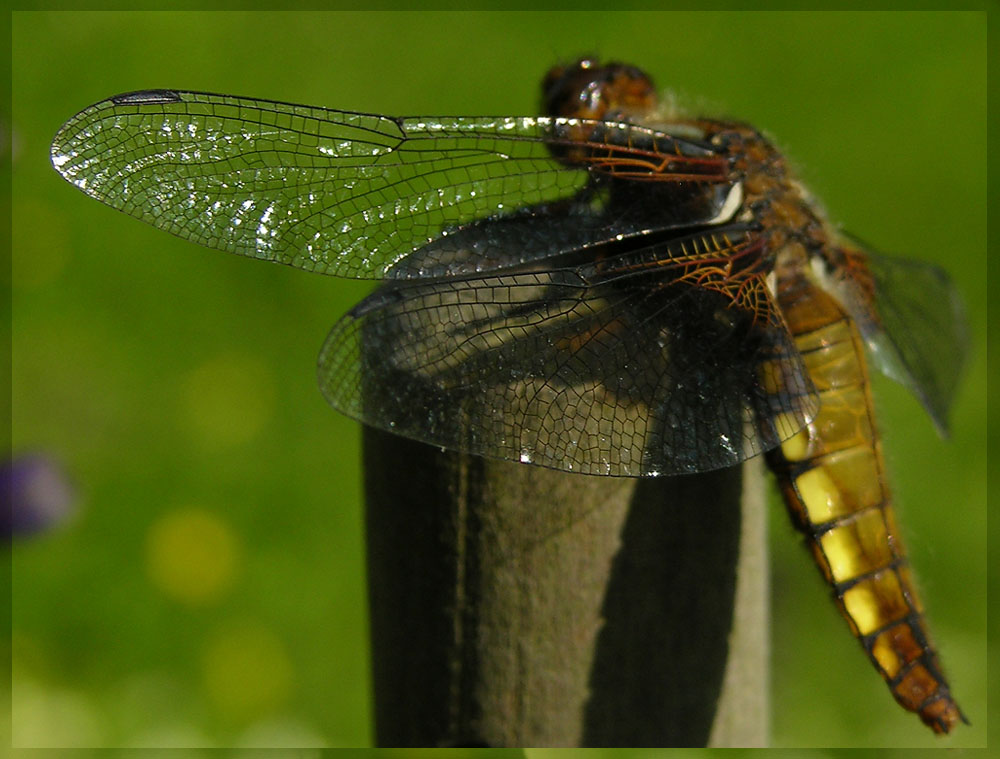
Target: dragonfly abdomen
pixel 832 477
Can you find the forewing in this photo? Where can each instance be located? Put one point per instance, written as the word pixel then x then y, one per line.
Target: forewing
pixel 353 194
pixel 621 368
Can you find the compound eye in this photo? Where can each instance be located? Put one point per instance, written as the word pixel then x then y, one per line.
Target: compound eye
pixel 589 90
pixel 560 81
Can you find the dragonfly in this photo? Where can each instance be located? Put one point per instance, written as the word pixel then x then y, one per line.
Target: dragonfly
pixel 614 288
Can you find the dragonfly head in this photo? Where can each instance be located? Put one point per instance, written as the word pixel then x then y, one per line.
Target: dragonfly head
pixel 587 89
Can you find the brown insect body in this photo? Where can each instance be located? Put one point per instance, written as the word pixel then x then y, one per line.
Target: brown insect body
pixel 831 474
pixel 608 289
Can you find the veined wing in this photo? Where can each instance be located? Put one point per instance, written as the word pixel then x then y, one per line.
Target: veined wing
pixel 352 194
pixel 913 321
pixel 649 362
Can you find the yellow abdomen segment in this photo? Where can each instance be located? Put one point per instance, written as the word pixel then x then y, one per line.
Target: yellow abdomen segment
pixel 832 477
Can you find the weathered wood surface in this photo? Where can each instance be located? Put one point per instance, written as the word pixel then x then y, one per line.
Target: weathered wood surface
pixel 518 606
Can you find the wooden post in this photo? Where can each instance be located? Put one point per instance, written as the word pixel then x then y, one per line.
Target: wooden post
pixel 518 606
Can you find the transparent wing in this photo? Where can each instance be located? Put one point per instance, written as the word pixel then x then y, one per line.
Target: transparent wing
pixel 353 194
pixel 624 367
pixel 914 322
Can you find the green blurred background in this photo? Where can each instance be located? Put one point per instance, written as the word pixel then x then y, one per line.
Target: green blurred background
pixel 211 589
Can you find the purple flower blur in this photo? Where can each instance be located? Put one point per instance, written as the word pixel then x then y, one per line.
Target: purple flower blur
pixel 37 495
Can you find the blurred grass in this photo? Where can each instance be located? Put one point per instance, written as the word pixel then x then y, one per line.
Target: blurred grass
pixel 177 381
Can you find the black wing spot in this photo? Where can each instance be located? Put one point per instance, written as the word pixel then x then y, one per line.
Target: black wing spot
pixel 146 97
